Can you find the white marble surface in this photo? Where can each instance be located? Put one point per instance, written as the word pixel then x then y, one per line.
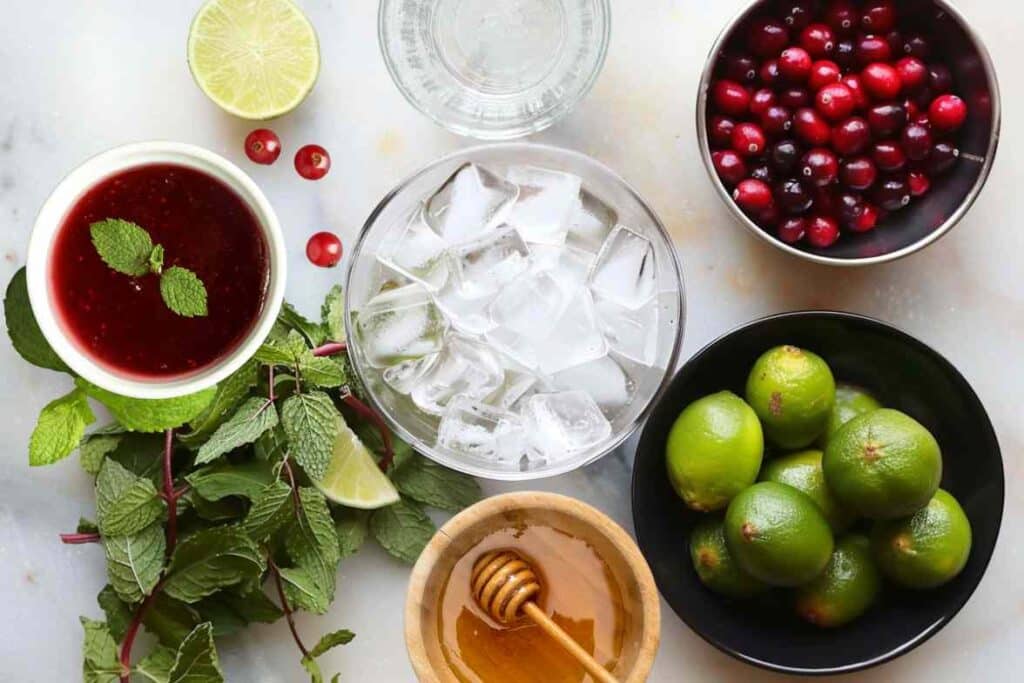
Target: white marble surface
pixel 79 77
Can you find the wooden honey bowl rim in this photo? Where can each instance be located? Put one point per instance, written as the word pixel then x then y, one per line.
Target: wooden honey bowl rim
pixel 502 509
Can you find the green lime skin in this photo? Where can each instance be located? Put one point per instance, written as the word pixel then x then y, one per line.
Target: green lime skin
pixel 851 401
pixel 845 590
pixel 883 464
pixel 792 391
pixel 927 549
pixel 715 565
pixel 777 534
pixel 714 451
pixel 803 472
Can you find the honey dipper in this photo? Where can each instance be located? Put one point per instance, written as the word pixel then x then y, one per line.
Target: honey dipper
pixel 504 585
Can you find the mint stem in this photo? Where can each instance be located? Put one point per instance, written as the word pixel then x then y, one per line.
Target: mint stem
pixel 133 630
pixel 285 607
pixel 330 349
pixel 367 413
pixel 76 539
pixel 169 493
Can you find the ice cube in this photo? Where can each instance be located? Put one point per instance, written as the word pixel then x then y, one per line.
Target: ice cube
pixel 529 306
pixel 591 222
pixel 472 201
pixel 545 205
pixel 604 380
pixel 519 380
pixel 561 424
pixel 633 333
pixel 473 428
pixel 486 264
pixel 400 324
pixel 574 339
pixel 625 269
pixel 514 345
pixel 417 252
pixel 404 376
pixel 568 266
pixel 464 368
pixel 468 315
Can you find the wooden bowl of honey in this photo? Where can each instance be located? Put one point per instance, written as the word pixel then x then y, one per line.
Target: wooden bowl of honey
pixel 595 585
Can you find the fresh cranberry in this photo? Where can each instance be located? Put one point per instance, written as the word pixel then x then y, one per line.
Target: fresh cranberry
pixel 853 82
pixel 748 139
pixel 794 98
pixel 940 79
pixel 730 98
pixel 720 130
pixel 842 16
pixel 867 220
pixel 729 166
pixel 858 173
pixel 767 37
pixel 792 230
pixel 947 113
pixel 818 40
pixel 768 217
pixel 913 111
pixel 769 73
pixel 872 48
pixel 752 195
pixel 886 119
pixel 796 14
pixel 942 158
pixel 823 72
pixel 811 127
pixel 878 16
pixel 851 136
pixel 844 53
pixel 918 183
pixel 888 156
pixel 881 81
pixel 739 68
pixel 826 200
pixel 895 40
pixel 776 121
pixel 892 194
pixel 819 167
pixel 312 162
pixel 762 172
pixel 784 155
pixel 916 45
pixel 917 141
pixel 913 72
pixel 792 196
pixel 851 207
pixel 324 249
pixel 795 64
pixel 262 146
pixel 835 101
pixel 822 231
pixel 761 100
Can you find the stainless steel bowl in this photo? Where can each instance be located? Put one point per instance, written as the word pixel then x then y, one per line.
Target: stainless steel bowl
pixel 928 218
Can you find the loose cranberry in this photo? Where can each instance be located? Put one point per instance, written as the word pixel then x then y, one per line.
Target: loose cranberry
pixel 888 156
pixel 795 64
pixel 720 131
pixel 858 173
pixel 844 53
pixel 887 119
pixel 769 73
pixel 913 72
pixel 784 155
pixel 730 97
pixel 796 14
pixel 851 207
pixel 729 166
pixel 940 78
pixel 761 100
pixel 792 197
pixel 794 98
pixel 842 16
pixel 823 72
pixel 878 16
pixel 942 158
pixel 748 139
pixel 819 167
pixel 872 48
pixel 792 230
pixel 918 183
pixel 892 194
pixel 776 121
pixel 835 101
pixel 947 113
pixel 752 195
pixel 822 231
pixel 867 220
pixel 851 136
pixel 262 146
pixel 917 141
pixel 881 81
pixel 916 45
pixel 767 37
pixel 324 249
pixel 312 162
pixel 860 97
pixel 739 68
pixel 811 127
pixel 818 40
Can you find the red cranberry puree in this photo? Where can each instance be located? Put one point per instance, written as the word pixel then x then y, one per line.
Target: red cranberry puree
pixel 121 321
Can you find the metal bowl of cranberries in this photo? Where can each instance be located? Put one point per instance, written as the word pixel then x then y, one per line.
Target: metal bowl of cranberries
pixel 849 132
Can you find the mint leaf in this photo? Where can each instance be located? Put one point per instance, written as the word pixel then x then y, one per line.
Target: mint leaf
pixel 196 660
pixel 94 448
pixel 59 429
pixel 123 245
pixel 252 418
pixel 209 560
pixel 272 446
pixel 230 612
pixel 332 640
pixel 286 350
pixel 427 482
pixel 293 320
pixel 169 620
pixel 134 562
pixel 86 526
pixel 125 503
pixel 333 314
pixel 230 394
pixel 224 479
pixel 320 371
pixel 118 614
pixel 156 666
pixel 311 424
pixel 149 415
pixel 142 455
pixel 223 510
pixel 183 292
pixel 22 328
pixel 312 542
pixel 99 654
pixel 351 526
pixel 156 260
pixel 303 592
pixel 271 509
pixel 312 667
pixel 403 529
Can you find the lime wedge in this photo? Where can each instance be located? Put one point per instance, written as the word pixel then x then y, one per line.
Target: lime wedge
pixel 256 59
pixel 353 477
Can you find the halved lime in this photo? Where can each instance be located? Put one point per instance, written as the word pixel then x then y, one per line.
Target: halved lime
pixel 256 59
pixel 353 477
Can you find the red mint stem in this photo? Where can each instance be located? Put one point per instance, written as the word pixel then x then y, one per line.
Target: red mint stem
pixel 77 539
pixel 285 607
pixel 330 349
pixel 367 413
pixel 169 493
pixel 133 630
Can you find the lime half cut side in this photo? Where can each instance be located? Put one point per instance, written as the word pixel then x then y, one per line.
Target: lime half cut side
pixel 256 59
pixel 353 477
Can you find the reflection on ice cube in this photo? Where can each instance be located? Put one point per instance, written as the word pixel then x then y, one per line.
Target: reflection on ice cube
pixel 472 201
pixel 464 368
pixel 604 380
pixel 399 324
pixel 518 382
pixel 560 424
pixel 417 252
pixel 568 266
pixel 404 376
pixel 486 264
pixel 472 428
pixel 529 306
pixel 574 339
pixel 591 222
pixel 625 269
pixel 514 345
pixel 633 333
pixel 467 315
pixel 545 205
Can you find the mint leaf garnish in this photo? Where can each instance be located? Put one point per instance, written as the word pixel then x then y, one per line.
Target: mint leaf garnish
pixel 183 292
pixel 333 314
pixel 252 418
pixel 123 246
pixel 427 482
pixel 402 529
pixel 156 666
pixel 134 562
pixel 22 328
pixel 149 415
pixel 311 424
pixel 196 660
pixel 156 260
pixel 224 479
pixel 209 560
pixel 99 654
pixel 125 503
pixel 59 429
pixel 351 526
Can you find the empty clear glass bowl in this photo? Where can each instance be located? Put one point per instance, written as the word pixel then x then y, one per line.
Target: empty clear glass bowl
pixel 514 310
pixel 494 69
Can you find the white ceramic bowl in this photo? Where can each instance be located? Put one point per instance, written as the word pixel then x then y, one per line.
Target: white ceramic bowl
pixel 51 218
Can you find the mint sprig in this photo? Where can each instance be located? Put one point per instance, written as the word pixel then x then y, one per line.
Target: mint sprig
pixel 128 249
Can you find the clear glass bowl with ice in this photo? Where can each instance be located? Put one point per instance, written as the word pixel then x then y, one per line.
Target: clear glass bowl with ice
pixel 514 309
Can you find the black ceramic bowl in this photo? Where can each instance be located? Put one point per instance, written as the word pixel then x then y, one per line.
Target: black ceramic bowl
pixel 903 373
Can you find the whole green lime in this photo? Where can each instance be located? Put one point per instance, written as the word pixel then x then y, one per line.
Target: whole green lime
pixel 792 391
pixel 803 472
pixel 715 565
pixel 883 464
pixel 851 401
pixel 777 534
pixel 714 451
pixel 927 549
pixel 845 590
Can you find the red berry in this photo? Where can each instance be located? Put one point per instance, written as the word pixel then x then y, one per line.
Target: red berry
pixel 761 100
pixel 819 167
pixel 851 207
pixel 835 101
pixel 739 68
pixel 881 81
pixel 918 183
pixel 916 45
pixel 917 141
pixel 853 82
pixel 823 72
pixel 878 16
pixel 794 98
pixel 752 195
pixel 784 155
pixel 729 166
pixel 720 131
pixel 826 200
pixel 769 73
pixel 842 16
pixel 324 249
pixel 767 37
pixel 892 194
pixel 843 54
pixel 867 220
pixel 792 230
pixel 940 79
pixel 947 113
pixel 730 98
pixel 818 40
pixel 851 136
pixel 776 121
pixel 748 140
pixel 262 146
pixel 792 196
pixel 887 119
pixel 822 231
pixel 942 158
pixel 858 173
pixel 796 14
pixel 913 72
pixel 762 172
pixel 811 127
pixel 888 156
pixel 872 48
pixel 795 64
pixel 312 162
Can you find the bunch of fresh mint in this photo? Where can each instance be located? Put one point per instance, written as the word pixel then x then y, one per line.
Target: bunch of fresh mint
pixel 205 507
